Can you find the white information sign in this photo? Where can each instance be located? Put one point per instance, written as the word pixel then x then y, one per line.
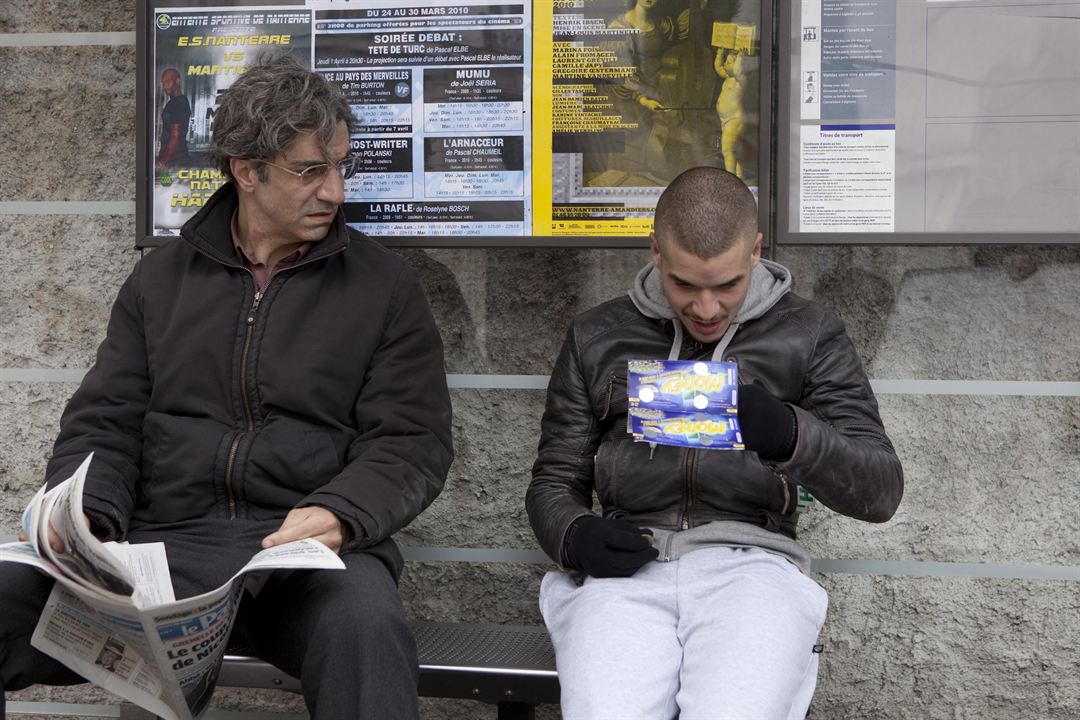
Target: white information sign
pixel 848 180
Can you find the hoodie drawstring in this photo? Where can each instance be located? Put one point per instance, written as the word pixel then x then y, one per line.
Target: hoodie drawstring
pixel 718 353
pixel 673 354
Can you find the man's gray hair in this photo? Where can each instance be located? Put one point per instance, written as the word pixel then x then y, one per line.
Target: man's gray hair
pixel 706 211
pixel 268 106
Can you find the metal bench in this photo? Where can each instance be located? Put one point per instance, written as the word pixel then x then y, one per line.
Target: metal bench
pixel 511 666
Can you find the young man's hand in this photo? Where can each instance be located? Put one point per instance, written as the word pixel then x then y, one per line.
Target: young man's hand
pixel 313 522
pixel 768 426
pixel 607 548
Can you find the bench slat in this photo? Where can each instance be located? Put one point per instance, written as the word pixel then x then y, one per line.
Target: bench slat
pixel 485 662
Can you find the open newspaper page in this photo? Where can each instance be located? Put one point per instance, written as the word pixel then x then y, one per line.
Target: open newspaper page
pixel 162 657
pixel 112 616
pixel 84 561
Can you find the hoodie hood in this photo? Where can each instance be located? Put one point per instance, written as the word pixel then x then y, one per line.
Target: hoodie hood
pixel 769 281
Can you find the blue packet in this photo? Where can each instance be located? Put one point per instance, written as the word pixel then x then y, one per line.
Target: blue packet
pixel 685 429
pixel 683 385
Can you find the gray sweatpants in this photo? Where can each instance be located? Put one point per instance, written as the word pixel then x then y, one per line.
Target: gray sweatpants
pixel 721 633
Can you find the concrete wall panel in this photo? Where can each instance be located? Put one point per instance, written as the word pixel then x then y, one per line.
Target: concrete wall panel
pixel 71 132
pixel 948 649
pixel 56 302
pixel 56 16
pixel 981 477
pixel 483 503
pixel 27 432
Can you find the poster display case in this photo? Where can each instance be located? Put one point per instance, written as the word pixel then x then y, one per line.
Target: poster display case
pixel 554 122
pixel 928 122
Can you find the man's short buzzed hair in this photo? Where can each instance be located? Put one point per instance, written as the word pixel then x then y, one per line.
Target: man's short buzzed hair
pixel 706 211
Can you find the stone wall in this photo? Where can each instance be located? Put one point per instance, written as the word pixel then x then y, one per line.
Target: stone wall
pixel 951 617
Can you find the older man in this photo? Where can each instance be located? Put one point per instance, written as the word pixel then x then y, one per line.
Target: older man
pixel 269 376
pixel 697 601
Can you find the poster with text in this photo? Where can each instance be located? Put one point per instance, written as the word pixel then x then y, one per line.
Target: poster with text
pixel 442 94
pixel 196 55
pixel 846 93
pixel 633 93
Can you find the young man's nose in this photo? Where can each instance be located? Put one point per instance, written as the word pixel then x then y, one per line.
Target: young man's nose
pixel 706 306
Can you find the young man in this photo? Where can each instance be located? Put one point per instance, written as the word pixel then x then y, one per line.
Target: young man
pixel 697 601
pixel 270 376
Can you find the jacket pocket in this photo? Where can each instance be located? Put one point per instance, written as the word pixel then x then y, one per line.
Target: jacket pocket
pixel 179 467
pixel 288 460
pixel 611 398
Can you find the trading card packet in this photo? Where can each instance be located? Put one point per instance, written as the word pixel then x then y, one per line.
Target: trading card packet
pixel 683 385
pixel 695 430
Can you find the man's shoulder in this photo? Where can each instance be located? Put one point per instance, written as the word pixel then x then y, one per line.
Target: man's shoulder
pixel 793 303
pixel 795 312
pixel 168 256
pixel 371 256
pixel 179 103
pixel 605 318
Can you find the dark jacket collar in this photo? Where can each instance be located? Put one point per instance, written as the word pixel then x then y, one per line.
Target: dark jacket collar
pixel 210 230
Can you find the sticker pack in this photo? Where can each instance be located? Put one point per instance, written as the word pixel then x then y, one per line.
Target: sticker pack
pixel 685 403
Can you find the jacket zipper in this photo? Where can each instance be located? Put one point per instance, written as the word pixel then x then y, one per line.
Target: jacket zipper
pixel 784 484
pixel 230 496
pixel 691 467
pixel 247 342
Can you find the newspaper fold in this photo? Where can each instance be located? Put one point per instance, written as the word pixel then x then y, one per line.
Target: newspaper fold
pixel 112 616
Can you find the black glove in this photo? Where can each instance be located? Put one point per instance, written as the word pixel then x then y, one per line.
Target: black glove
pixel 768 426
pixel 608 548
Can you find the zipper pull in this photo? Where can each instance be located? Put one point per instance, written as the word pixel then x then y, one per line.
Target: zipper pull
pixel 254 307
pixel 784 482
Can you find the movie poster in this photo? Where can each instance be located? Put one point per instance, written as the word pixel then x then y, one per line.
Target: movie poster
pixel 197 54
pixel 639 91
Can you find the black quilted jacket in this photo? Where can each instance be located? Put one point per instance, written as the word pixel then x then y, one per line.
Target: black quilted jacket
pixel 207 404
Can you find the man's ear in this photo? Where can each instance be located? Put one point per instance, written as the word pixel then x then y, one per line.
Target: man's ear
pixel 244 174
pixel 755 252
pixel 654 248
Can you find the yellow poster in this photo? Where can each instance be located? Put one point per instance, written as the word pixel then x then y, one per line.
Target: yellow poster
pixel 628 94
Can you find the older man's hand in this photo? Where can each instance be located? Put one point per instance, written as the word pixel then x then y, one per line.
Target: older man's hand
pixel 313 522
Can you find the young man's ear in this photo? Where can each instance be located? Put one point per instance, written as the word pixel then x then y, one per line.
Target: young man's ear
pixel 243 174
pixel 654 248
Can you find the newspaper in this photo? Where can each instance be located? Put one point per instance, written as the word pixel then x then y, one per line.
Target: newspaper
pixel 112 616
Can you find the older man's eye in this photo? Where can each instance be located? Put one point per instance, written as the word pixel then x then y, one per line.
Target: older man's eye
pixel 314 172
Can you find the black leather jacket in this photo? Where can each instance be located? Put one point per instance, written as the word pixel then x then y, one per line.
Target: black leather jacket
pixel 797 349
